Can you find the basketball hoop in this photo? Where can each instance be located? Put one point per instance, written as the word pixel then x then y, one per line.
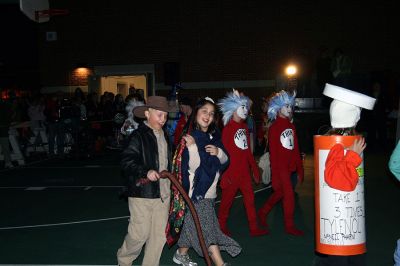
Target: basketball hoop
pixel 47 13
pixel 39 10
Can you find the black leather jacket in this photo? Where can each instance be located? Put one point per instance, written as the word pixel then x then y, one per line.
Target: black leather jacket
pixel 140 156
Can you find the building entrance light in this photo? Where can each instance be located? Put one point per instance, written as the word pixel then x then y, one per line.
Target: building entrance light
pixel 291 70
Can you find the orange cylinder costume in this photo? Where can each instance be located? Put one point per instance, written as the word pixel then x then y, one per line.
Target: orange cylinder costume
pixel 339 197
pixel 339 182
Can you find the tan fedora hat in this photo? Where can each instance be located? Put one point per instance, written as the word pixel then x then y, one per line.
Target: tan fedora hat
pixel 155 102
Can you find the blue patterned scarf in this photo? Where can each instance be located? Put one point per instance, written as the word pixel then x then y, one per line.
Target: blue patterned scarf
pixel 209 164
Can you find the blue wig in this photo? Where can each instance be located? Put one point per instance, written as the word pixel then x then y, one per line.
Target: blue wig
pixel 279 100
pixel 231 103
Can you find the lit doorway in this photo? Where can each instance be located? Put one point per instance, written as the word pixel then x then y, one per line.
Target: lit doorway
pixel 118 79
pixel 122 84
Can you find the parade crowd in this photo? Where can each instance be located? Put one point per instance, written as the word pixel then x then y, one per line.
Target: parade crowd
pixel 63 125
pixel 211 144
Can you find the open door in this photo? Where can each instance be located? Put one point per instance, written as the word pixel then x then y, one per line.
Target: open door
pixel 123 84
pixel 123 78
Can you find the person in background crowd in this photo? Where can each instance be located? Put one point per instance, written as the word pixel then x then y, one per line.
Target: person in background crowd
pixel 341 68
pixel 55 126
pixel 6 117
pixel 132 89
pixel 140 93
pixel 251 124
pixel 394 162
pixel 78 93
pixel 185 107
pixel 377 118
pixel 394 166
pixel 397 254
pixel 119 104
pixel 323 72
pixel 37 117
pixel 92 106
pixel 262 128
pixel 107 107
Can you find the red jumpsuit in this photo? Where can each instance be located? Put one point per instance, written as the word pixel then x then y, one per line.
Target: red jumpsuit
pixel 235 137
pixel 285 159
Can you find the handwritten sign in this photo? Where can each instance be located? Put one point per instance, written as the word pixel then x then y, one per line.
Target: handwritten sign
pixel 342 213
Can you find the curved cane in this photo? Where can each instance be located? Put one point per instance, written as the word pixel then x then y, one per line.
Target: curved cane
pixel 166 174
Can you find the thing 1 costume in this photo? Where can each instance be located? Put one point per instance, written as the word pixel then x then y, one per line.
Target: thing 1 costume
pixel 285 159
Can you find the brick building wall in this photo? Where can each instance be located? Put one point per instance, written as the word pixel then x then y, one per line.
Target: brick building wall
pixel 214 40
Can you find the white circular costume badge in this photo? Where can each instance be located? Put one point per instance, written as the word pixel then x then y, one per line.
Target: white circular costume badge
pixel 241 139
pixel 287 140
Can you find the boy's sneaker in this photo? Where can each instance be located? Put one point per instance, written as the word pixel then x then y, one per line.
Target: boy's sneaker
pixel 183 259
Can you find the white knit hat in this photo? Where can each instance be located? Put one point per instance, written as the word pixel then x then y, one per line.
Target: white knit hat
pixel 346 107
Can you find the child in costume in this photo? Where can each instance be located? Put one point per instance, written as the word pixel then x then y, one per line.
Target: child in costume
pixel 284 158
pixel 146 155
pixel 130 124
pixel 203 160
pixel 343 178
pixel 235 137
pixel 394 162
pixel 397 254
pixel 394 166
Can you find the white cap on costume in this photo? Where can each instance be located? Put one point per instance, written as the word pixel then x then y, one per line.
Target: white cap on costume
pixel 346 107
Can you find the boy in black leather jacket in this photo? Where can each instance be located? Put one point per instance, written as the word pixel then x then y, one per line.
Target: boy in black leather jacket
pixel 147 154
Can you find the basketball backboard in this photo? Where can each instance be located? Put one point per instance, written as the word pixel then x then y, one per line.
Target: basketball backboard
pixel 33 8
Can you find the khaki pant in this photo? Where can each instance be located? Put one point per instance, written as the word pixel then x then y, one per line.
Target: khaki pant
pixel 148 219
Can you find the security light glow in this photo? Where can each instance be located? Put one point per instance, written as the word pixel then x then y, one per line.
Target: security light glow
pixel 291 70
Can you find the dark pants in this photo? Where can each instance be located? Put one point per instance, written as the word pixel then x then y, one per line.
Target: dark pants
pixel 56 131
pixel 331 260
